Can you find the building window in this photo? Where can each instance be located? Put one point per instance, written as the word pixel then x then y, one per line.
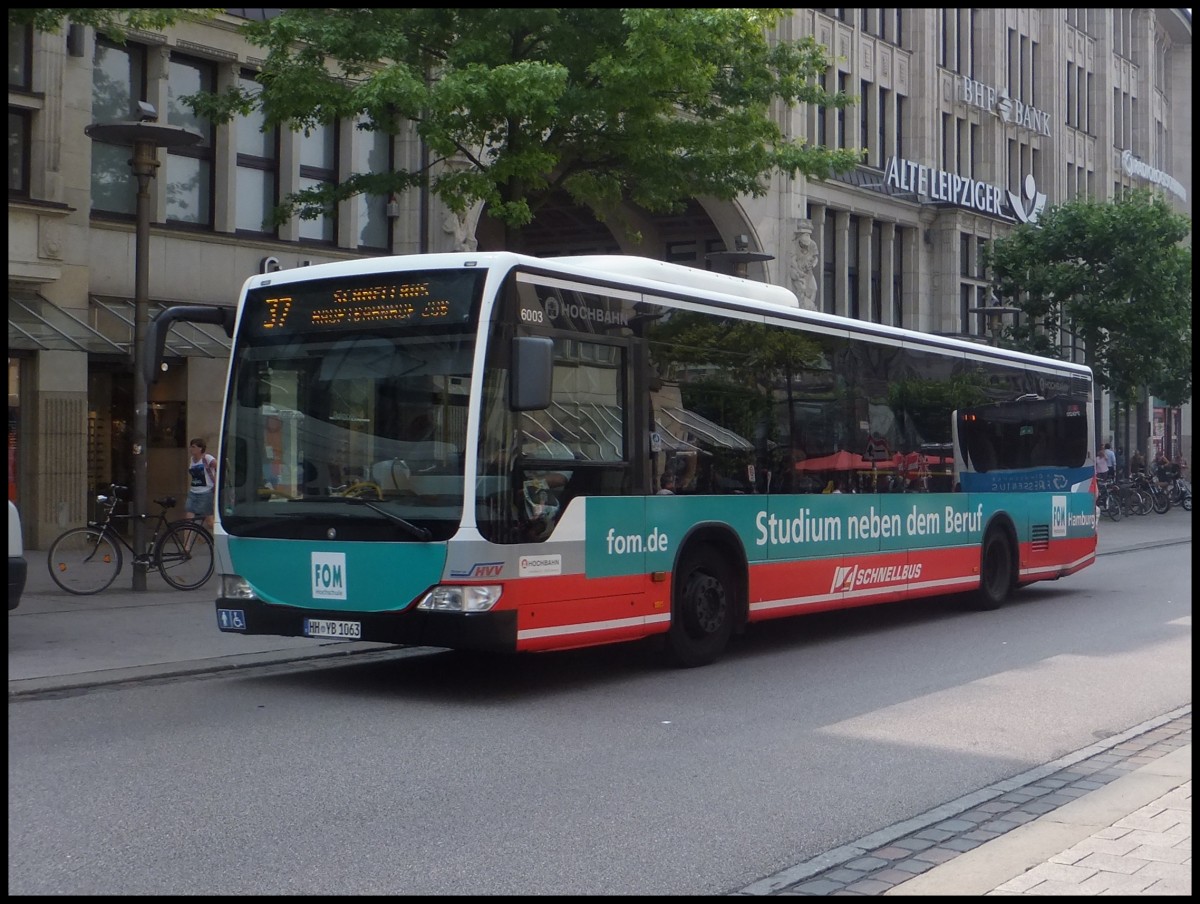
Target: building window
pixel 822 128
pixel 118 83
pixel 854 309
pixel 373 154
pixel 885 121
pixel 20 57
pixel 257 167
pixel 864 102
pixel 318 169
pixel 1033 72
pixel 829 264
pixel 190 169
pixel 898 277
pixel 944 29
pixel 22 104
pixel 681 252
pixel 18 152
pixel 841 112
pixel 1085 118
pixel 1072 113
pixel 876 287
pixel 947 142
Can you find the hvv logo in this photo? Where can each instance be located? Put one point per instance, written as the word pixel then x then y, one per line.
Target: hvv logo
pixel 481 570
pixel 329 575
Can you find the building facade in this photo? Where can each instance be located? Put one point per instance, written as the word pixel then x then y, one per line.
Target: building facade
pixel 972 120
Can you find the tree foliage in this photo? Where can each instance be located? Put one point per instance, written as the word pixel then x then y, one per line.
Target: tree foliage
pixel 649 106
pixel 113 23
pixel 1116 274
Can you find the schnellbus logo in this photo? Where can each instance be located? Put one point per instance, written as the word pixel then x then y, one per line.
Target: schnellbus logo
pixel 849 577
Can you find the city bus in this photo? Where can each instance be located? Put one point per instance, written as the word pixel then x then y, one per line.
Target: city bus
pixel 497 452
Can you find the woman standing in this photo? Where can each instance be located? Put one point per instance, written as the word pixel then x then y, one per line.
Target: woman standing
pixel 202 479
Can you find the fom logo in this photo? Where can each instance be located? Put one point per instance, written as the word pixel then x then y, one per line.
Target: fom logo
pixel 481 570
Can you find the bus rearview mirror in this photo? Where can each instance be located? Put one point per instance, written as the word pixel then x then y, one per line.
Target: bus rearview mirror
pixel 532 373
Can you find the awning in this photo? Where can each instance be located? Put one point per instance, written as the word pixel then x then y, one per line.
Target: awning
pixel 37 324
pixel 114 316
pixel 106 328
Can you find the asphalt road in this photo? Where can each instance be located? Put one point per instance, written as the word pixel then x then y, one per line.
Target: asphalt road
pixel 590 772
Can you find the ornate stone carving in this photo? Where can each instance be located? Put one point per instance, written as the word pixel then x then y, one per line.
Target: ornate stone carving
pixel 804 266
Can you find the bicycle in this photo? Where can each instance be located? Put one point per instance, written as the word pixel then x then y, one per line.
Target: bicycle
pixel 86 560
pixel 1160 502
pixel 1107 501
pixel 1134 500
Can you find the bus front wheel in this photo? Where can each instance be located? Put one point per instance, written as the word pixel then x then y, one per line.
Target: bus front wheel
pixel 703 607
pixel 997 570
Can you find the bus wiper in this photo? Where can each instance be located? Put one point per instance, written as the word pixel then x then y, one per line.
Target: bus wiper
pixel 421 533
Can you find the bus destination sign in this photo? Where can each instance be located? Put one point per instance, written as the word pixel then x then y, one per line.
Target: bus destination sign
pixel 378 302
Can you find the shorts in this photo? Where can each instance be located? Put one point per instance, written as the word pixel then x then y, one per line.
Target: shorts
pixel 199 503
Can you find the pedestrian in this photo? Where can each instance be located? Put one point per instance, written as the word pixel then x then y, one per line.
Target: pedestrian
pixel 202 482
pixel 1101 465
pixel 1112 458
pixel 1137 464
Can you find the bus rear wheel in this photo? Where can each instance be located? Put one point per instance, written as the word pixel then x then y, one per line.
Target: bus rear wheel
pixel 997 570
pixel 703 607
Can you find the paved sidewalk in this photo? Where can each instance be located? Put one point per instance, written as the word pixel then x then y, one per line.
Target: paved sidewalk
pixel 1113 818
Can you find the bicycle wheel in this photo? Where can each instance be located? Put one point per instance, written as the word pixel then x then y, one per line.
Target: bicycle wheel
pixel 184 556
pixel 1143 504
pixel 84 560
pixel 1111 506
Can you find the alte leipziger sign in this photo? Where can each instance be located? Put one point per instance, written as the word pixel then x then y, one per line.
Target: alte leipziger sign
pixel 939 186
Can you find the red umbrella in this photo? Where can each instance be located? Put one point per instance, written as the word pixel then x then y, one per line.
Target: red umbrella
pixel 838 461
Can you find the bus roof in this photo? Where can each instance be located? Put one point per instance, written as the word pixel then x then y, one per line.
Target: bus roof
pixel 678 275
pixel 665 278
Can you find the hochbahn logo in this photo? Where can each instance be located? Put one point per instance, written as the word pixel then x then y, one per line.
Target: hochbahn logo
pixel 849 577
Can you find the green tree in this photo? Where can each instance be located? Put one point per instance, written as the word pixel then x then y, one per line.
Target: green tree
pixel 649 106
pixel 115 23
pixel 1115 274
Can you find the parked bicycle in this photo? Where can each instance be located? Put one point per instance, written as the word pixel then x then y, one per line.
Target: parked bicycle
pixel 1159 498
pixel 86 560
pixel 1134 500
pixel 1108 503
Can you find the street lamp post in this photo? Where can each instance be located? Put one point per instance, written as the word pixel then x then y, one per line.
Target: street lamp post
pixel 995 313
pixel 146 137
pixel 740 257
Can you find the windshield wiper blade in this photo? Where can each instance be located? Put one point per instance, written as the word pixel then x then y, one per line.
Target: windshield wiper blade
pixel 421 533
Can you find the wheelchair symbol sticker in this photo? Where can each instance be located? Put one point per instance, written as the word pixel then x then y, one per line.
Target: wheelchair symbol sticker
pixel 231 619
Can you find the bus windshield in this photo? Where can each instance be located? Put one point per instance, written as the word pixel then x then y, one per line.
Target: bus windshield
pixel 347 408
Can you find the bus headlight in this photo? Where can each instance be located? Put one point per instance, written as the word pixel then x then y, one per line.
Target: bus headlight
pixel 449 598
pixel 236 587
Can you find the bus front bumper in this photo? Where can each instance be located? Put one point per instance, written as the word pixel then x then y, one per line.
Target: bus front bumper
pixel 493 632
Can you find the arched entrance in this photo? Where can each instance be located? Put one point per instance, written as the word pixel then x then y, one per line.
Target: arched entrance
pixel 562 227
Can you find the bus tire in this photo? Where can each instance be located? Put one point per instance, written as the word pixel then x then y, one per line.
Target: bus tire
pixel 997 570
pixel 703 607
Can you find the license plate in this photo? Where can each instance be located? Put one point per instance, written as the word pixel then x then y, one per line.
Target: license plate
pixel 322 627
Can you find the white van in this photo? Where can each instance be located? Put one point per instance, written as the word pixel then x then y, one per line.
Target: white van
pixel 16 557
